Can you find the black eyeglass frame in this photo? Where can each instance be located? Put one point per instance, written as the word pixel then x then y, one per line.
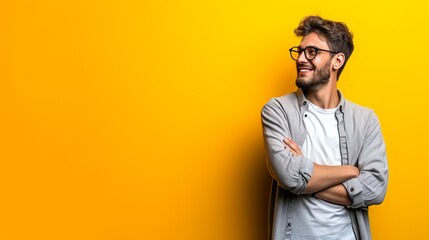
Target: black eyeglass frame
pixel 299 51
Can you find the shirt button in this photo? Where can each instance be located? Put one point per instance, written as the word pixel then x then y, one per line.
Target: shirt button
pixel 288 224
pixel 352 189
pixel 304 103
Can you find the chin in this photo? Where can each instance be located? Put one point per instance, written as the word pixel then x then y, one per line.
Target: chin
pixel 302 81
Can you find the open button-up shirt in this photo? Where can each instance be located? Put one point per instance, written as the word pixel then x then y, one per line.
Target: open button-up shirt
pixel 361 145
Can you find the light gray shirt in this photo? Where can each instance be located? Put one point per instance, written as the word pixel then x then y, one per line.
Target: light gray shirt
pixel 361 145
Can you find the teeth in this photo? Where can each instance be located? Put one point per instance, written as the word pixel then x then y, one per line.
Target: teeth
pixel 304 70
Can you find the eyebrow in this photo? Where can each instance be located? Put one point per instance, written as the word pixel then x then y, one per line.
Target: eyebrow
pixel 309 46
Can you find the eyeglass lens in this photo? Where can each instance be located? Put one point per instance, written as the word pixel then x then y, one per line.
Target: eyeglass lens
pixel 310 53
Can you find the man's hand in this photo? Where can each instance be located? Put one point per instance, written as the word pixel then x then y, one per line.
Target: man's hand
pixel 293 147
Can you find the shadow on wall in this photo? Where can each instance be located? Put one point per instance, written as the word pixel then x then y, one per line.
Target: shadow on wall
pixel 256 180
pixel 256 184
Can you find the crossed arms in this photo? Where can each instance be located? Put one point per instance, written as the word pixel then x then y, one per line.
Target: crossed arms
pixel 360 184
pixel 326 181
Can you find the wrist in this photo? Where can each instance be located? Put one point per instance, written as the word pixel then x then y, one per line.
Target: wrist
pixel 354 171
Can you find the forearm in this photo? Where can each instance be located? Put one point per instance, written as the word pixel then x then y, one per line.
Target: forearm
pixel 336 194
pixel 324 177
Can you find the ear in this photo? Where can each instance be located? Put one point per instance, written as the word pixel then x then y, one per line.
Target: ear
pixel 339 60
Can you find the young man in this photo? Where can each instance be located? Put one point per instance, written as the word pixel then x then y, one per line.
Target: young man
pixel 326 154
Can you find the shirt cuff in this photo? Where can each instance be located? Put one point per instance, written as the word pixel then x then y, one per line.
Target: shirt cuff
pixel 355 191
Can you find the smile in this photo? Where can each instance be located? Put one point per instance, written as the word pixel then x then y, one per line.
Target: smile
pixel 304 70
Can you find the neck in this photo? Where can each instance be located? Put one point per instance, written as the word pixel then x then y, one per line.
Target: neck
pixel 325 97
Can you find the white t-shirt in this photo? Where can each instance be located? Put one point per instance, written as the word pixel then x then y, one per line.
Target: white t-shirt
pixel 314 218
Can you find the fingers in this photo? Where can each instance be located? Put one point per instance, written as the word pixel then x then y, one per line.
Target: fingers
pixel 291 144
pixel 293 147
pixel 293 152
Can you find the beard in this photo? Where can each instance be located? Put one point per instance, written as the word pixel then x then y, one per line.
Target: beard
pixel 320 79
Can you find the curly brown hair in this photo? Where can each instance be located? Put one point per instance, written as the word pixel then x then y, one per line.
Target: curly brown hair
pixel 337 35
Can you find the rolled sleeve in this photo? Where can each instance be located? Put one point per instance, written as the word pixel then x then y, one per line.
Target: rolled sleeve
pixel 370 186
pixel 291 172
pixel 355 192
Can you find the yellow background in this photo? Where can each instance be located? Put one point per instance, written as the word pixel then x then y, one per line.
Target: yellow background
pixel 140 119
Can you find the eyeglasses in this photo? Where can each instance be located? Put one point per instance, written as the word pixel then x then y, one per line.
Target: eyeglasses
pixel 309 52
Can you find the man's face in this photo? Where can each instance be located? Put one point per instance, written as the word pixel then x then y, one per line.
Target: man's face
pixel 314 74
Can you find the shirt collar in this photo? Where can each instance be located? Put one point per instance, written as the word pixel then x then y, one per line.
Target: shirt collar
pixel 303 102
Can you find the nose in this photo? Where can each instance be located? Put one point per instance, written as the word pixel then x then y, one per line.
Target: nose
pixel 301 58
